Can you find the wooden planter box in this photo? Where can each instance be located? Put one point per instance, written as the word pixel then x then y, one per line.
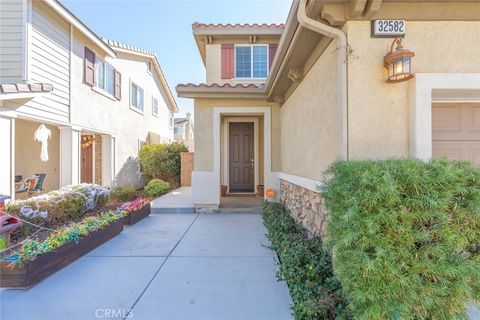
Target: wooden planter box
pixel 46 264
pixel 135 216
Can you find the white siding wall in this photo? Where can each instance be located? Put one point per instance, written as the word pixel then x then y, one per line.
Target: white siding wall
pixel 49 62
pixel 11 41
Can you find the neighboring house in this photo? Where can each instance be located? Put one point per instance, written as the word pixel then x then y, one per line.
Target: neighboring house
pixel 281 121
pixel 100 99
pixel 183 131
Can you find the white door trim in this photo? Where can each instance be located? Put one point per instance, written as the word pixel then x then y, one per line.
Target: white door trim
pixel 226 149
pixel 206 184
pixel 420 105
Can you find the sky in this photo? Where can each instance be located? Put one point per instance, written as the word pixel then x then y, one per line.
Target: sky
pixel 165 27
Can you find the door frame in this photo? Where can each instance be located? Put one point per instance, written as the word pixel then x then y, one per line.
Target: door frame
pixel 226 149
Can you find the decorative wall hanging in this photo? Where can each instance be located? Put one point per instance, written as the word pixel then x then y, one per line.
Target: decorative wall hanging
pixel 42 134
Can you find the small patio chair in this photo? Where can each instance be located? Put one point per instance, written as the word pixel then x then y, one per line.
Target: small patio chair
pixel 39 185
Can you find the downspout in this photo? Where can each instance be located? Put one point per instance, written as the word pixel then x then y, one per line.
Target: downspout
pixel 342 57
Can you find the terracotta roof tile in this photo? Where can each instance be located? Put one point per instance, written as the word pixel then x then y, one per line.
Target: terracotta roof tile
pixel 222 86
pixel 228 26
pixel 116 44
pixel 25 87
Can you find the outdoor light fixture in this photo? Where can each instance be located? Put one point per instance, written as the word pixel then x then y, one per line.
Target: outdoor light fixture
pixel 398 63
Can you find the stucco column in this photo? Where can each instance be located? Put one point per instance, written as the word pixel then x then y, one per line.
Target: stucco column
pixel 69 155
pixel 7 155
pixel 108 159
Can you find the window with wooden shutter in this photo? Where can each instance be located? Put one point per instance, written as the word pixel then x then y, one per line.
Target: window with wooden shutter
pixel 89 64
pixel 227 67
pixel 118 85
pixel 272 49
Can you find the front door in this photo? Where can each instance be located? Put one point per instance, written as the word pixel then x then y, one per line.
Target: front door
pixel 86 169
pixel 241 157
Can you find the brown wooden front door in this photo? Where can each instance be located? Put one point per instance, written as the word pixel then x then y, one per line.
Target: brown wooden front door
pixel 241 157
pixel 86 169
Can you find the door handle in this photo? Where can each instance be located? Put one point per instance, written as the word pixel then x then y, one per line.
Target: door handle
pixel 252 161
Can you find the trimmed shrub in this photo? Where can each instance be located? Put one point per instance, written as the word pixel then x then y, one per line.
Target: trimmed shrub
pixel 162 161
pixel 156 188
pixel 305 266
pixel 123 193
pixel 405 236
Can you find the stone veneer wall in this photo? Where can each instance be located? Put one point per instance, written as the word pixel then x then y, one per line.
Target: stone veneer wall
pixel 306 206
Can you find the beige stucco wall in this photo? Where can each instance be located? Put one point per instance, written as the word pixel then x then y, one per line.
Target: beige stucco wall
pixel 27 153
pixel 310 121
pixel 213 60
pixel 378 111
pixel 204 129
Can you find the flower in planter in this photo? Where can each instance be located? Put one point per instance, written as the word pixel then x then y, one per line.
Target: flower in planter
pixel 134 205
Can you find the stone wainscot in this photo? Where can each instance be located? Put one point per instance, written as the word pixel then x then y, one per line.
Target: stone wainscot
pixel 306 206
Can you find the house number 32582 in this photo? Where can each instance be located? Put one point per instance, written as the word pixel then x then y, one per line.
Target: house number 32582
pixel 388 28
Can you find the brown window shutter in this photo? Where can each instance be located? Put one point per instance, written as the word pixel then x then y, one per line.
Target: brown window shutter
pixel 118 85
pixel 227 61
pixel 272 49
pixel 89 63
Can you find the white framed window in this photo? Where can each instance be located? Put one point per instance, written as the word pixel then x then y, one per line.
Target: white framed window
pixel 136 97
pixel 177 130
pixel 251 61
pixel 154 106
pixel 105 76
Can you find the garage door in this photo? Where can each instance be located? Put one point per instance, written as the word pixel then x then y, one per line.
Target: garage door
pixel 456 131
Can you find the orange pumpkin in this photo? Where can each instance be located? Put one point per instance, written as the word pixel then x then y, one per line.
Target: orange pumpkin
pixel 270 193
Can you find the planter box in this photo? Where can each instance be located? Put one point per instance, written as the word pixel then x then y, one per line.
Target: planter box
pixel 135 216
pixel 46 264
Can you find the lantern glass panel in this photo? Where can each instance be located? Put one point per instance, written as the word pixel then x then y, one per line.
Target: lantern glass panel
pixel 406 65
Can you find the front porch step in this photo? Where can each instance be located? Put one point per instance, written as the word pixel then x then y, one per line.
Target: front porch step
pixel 161 210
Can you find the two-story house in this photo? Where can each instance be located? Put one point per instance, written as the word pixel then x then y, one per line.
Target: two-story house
pixel 349 80
pixel 98 100
pixel 183 131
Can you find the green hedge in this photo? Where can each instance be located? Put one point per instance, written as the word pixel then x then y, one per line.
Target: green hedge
pixel 305 267
pixel 162 161
pixel 156 188
pixel 405 236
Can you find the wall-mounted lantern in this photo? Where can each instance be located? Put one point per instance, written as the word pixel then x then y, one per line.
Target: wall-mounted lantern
pixel 399 62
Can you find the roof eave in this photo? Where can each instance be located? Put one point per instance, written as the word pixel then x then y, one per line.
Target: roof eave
pixel 77 23
pixel 221 93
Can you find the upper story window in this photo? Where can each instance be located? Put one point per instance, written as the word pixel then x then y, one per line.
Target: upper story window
pixel 99 74
pixel 154 107
pixel 105 76
pixel 251 61
pixel 177 130
pixel 136 97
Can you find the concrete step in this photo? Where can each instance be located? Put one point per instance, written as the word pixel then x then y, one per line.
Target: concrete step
pixel 160 210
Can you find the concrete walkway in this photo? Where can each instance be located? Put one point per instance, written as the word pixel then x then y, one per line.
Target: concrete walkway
pixel 176 201
pixel 166 267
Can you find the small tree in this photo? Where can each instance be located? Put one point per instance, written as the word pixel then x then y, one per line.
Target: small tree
pixel 162 161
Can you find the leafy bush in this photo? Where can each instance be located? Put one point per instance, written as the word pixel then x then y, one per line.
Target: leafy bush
pixel 65 204
pixel 305 266
pixel 156 188
pixel 162 161
pixel 405 236
pixel 123 193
